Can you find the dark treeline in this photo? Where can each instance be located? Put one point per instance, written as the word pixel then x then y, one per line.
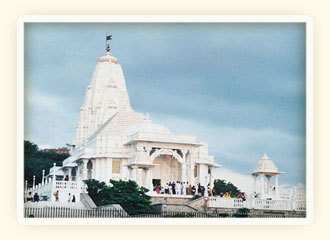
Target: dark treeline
pixel 36 160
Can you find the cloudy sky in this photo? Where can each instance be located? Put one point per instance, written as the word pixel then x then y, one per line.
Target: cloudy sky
pixel 238 87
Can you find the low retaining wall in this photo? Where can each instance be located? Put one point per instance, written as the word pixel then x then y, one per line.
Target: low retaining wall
pixel 259 213
pixel 170 199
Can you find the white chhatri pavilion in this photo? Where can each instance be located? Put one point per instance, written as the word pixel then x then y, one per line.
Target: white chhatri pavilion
pixel 112 141
pixel 266 169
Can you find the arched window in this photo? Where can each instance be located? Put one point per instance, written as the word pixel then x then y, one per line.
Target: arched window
pixel 73 174
pixel 89 169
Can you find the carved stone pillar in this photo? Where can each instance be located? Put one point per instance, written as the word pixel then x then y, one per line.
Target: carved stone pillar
pixel 268 177
pixel 276 186
pixel 148 182
pixel 43 178
pixel 211 177
pixel 69 173
pixel 184 154
pixel 34 182
pixel 139 176
pixel 254 184
pixel 85 161
pixel 192 173
pixel 183 172
pixel 94 169
pixel 134 173
pixel 109 170
pixel 262 185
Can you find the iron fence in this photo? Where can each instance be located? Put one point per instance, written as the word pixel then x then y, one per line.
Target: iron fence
pixel 63 212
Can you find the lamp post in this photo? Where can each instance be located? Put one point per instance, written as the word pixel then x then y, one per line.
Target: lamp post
pixel 43 178
pixel 34 182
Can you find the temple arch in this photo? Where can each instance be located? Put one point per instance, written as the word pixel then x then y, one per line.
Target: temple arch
pixel 165 151
pixel 167 169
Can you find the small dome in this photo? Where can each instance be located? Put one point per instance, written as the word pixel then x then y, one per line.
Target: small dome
pixel 145 127
pixel 266 165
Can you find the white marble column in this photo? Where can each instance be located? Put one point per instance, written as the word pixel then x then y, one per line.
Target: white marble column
pixel 139 176
pixel 34 182
pixel 103 169
pixel 149 179
pixel 192 173
pixel 254 184
pixel 123 169
pixel 184 165
pixel 134 173
pixel 109 170
pixel 85 161
pixel 202 179
pixel 183 172
pixel 211 177
pixel 276 186
pixel 69 173
pixel 98 162
pixel 265 184
pixel 262 184
pixel 268 177
pixel 93 173
pixel 54 182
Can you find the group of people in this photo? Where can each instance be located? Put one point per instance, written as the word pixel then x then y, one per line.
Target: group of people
pixel 34 198
pixel 70 198
pixel 240 195
pixel 182 188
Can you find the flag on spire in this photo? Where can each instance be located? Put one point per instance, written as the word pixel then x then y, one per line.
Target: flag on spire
pixel 109 37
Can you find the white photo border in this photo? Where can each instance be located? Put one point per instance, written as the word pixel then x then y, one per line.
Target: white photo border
pixel 166 19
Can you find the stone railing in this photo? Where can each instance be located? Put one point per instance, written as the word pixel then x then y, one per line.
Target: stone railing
pixel 64 188
pixel 254 203
pixel 42 189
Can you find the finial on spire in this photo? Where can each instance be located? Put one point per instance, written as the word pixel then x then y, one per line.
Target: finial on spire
pixel 265 156
pixel 107 38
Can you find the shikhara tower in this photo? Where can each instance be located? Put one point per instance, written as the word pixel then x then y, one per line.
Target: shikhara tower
pixel 112 141
pixel 105 95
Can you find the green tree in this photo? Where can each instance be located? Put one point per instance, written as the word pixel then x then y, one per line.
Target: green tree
pixel 128 194
pixel 222 187
pixel 36 160
pixel 30 149
pixel 94 187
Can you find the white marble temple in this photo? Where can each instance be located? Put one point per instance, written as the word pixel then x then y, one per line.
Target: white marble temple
pixel 112 141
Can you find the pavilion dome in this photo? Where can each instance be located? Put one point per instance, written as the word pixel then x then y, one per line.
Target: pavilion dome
pixel 146 126
pixel 265 165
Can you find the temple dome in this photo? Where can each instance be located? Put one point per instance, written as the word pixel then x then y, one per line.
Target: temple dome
pixel 265 165
pixel 146 126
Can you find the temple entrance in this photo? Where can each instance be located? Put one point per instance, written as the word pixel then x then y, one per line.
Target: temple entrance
pixel 168 170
